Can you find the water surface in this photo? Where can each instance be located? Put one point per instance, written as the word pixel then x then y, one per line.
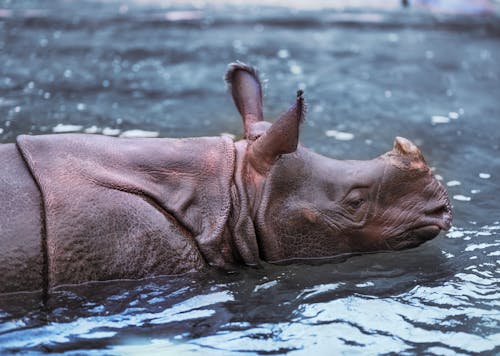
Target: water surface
pixel 143 68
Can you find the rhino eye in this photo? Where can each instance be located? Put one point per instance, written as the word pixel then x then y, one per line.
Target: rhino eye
pixel 356 204
pixel 356 198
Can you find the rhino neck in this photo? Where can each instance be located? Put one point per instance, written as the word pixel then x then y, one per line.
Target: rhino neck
pixel 240 221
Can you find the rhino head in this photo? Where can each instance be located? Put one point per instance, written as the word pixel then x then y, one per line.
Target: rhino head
pixel 307 206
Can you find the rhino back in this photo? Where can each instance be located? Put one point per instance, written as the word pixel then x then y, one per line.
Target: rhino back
pixel 129 208
pixel 21 257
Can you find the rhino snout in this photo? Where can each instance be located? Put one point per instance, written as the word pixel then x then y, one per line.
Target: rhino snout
pixel 441 215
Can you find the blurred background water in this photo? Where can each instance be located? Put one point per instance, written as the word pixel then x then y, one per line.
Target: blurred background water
pixel 371 70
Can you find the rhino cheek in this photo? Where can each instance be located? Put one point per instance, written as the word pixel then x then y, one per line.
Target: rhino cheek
pixel 367 240
pixel 301 233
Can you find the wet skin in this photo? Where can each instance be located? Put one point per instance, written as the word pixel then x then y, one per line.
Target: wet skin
pixel 115 208
pixel 314 207
pixel 307 206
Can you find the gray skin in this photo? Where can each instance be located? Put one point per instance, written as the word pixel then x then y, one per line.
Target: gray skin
pixel 78 208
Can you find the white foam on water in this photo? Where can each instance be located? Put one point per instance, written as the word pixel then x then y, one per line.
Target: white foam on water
pixel 453 115
pixel 266 285
pixel 319 289
pixel 108 131
pixel 438 119
pixel 139 133
pixel 455 234
pixel 1 131
pixel 295 69
pixel 366 284
pixel 461 197
pixel 480 246
pixel 339 135
pixel 283 53
pixel 484 175
pixel 98 335
pixel 91 130
pixel 59 128
pixel 453 183
pixel 447 254
pixel 475 191
pixel 492 227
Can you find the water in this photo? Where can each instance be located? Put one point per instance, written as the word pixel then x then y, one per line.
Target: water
pixel 143 68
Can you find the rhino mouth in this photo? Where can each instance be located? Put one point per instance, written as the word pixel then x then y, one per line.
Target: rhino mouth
pixel 414 237
pixel 426 233
pixel 433 220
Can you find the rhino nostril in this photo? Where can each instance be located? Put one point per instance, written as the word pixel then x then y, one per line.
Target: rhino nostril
pixel 439 211
pixel 441 215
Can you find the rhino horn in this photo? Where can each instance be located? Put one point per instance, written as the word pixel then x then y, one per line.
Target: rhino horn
pixel 281 138
pixel 409 150
pixel 246 91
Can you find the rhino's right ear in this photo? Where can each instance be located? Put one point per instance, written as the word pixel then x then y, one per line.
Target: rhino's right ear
pixel 281 138
pixel 246 92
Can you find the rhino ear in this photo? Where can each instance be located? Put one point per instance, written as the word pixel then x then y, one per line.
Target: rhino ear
pixel 246 91
pixel 281 138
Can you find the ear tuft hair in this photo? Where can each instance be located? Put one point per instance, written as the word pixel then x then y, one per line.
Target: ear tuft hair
pixel 301 106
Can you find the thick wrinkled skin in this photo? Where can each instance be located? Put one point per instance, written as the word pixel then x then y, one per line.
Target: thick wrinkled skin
pixel 77 208
pixel 341 207
pixel 21 225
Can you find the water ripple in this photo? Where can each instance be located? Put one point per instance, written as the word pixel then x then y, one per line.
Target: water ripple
pixel 141 68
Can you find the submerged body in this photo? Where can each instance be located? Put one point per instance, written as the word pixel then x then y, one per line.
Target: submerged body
pixel 78 208
pixel 92 207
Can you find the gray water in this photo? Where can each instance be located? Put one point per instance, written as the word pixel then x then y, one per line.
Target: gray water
pixel 428 74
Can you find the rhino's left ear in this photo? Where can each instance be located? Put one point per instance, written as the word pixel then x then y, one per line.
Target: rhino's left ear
pixel 281 138
pixel 246 91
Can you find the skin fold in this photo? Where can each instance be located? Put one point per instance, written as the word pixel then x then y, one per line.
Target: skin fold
pixel 306 206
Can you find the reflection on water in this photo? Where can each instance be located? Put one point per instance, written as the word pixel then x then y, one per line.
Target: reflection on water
pixel 147 69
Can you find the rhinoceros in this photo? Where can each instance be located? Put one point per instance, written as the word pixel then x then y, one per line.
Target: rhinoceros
pixel 80 207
